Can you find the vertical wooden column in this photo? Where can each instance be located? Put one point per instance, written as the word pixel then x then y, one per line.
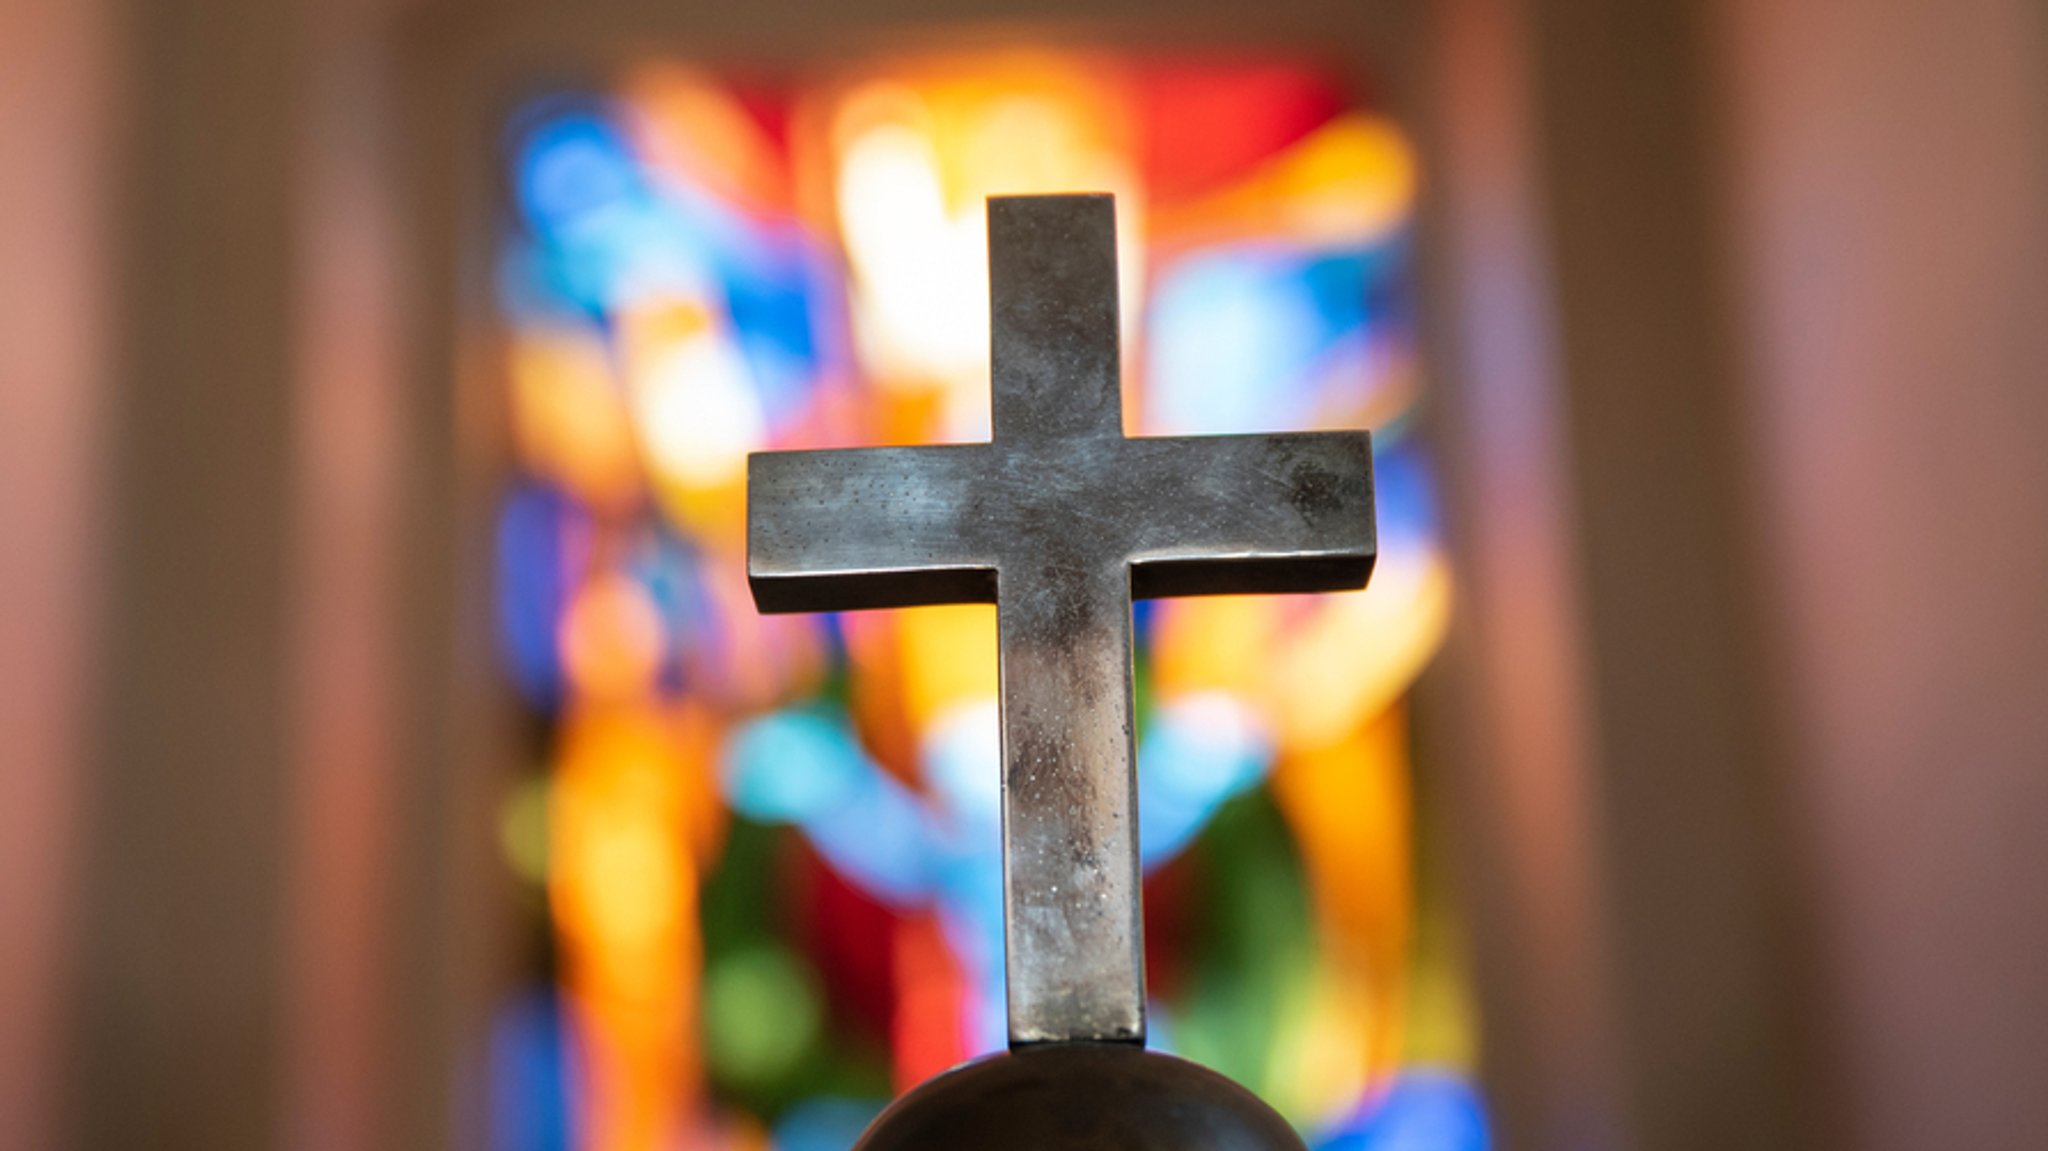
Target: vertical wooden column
pixel 1507 713
pixel 1689 741
pixel 455 943
pixel 349 782
pixel 177 1026
pixel 1635 763
pixel 56 129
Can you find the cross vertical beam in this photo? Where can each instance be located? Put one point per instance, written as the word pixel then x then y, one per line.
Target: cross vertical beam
pixel 1053 338
pixel 1074 937
pixel 1074 931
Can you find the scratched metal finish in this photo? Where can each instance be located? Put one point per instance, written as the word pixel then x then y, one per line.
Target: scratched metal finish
pixel 1061 521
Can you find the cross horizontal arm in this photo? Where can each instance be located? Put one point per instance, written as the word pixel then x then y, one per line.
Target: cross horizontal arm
pixel 1239 515
pixel 866 528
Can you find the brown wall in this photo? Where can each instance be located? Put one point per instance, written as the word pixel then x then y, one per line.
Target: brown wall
pixel 1889 177
pixel 1789 263
pixel 176 1033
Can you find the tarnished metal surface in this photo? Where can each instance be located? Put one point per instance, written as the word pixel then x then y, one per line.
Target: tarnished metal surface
pixel 1080 1097
pixel 1060 521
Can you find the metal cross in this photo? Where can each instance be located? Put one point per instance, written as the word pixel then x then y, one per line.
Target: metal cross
pixel 1061 521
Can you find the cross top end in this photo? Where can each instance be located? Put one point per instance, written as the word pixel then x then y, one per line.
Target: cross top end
pixel 1061 520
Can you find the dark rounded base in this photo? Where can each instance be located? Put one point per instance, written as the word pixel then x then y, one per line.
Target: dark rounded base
pixel 1085 1096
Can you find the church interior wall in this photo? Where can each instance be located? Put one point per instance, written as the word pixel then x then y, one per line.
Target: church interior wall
pixel 1734 309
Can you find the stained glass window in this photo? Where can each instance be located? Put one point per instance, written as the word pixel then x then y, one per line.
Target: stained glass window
pixel 762 852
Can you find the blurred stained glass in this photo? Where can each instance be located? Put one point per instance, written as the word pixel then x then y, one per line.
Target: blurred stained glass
pixel 766 849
